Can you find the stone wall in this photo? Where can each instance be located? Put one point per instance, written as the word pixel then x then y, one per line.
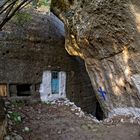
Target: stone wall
pixel 2 120
pixel 36 46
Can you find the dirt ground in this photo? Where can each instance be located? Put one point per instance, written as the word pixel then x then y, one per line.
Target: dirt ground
pixel 40 121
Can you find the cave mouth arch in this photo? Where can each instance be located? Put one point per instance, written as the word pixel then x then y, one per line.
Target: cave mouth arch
pixel 82 92
pixel 84 96
pixel 99 114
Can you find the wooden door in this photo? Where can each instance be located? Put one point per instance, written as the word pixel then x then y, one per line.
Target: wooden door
pixel 3 90
pixel 55 82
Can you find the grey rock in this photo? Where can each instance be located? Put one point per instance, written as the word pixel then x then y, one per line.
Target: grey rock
pixel 8 137
pixel 18 137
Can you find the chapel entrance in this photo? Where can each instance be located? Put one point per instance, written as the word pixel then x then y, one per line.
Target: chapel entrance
pixel 53 85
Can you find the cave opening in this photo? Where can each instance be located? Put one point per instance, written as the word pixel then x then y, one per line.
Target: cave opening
pixel 99 114
pixel 88 102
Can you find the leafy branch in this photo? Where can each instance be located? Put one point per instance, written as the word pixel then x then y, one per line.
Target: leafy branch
pixel 8 8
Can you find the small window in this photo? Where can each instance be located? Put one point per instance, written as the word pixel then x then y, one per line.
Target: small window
pixel 55 75
pixel 23 90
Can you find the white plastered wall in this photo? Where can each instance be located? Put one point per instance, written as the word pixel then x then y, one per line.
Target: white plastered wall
pixel 45 87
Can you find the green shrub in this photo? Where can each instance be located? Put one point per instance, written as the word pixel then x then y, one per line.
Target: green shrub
pixel 15 117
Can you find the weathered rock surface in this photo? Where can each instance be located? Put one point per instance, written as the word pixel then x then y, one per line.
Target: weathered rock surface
pixel 105 33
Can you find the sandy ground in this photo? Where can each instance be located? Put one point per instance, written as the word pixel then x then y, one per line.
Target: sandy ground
pixel 40 121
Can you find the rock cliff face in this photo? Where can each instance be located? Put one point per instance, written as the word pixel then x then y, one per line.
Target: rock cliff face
pixel 105 33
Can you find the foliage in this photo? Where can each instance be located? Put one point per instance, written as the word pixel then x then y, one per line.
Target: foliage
pixel 39 3
pixel 8 9
pixel 22 17
pixel 17 103
pixel 15 117
pixel 43 2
